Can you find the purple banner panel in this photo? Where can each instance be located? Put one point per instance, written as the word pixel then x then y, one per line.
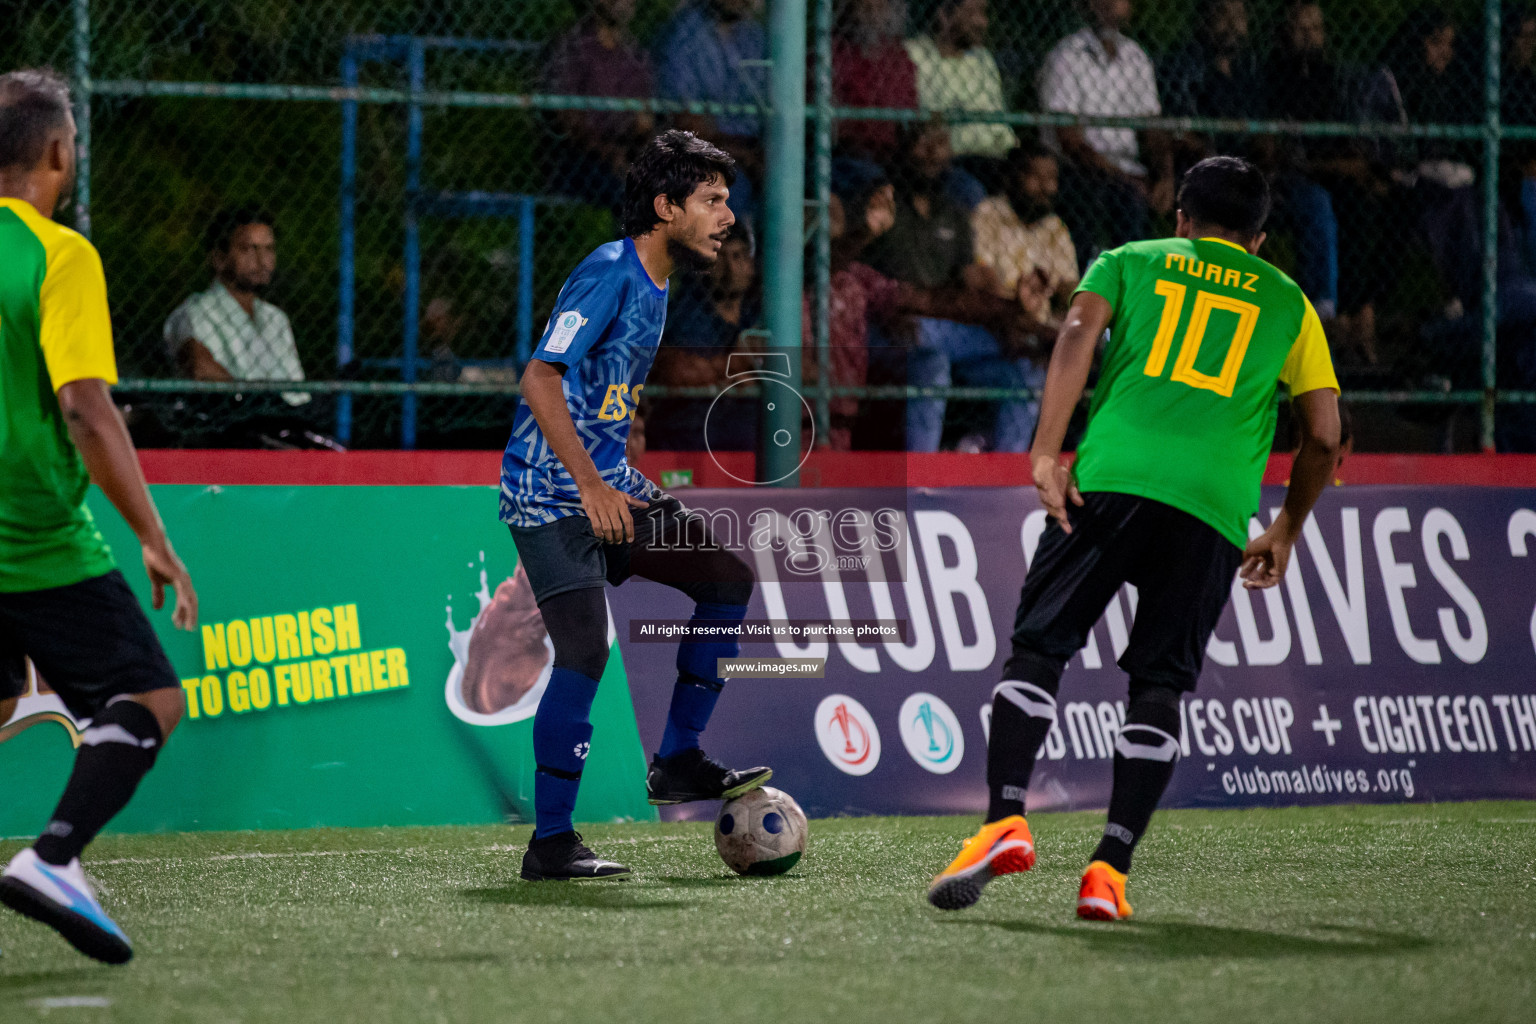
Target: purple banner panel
pixel 1397 661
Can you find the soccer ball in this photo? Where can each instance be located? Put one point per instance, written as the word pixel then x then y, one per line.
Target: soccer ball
pixel 761 832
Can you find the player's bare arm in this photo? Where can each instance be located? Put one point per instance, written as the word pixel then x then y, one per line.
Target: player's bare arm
pixel 1065 380
pixel 607 508
pixel 98 430
pixel 1267 555
pixel 199 363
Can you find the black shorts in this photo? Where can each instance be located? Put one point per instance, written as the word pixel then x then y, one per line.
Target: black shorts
pixel 1182 570
pixel 90 642
pixel 566 555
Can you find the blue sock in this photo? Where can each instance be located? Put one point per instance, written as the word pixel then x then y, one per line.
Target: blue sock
pixel 562 734
pixel 698 684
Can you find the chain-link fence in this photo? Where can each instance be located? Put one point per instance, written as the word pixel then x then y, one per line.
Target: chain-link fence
pixel 383 198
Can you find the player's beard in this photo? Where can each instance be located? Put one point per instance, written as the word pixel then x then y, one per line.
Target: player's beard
pixel 66 194
pixel 1029 209
pixel 257 288
pixel 685 257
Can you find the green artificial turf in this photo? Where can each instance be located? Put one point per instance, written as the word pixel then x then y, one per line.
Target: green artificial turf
pixel 1394 913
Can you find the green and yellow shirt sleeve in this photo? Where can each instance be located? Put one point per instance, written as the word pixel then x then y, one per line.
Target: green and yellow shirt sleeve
pixel 1309 367
pixel 76 327
pixel 1105 279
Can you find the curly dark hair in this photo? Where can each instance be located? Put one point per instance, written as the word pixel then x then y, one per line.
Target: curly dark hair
pixel 34 103
pixel 221 230
pixel 672 164
pixel 1226 192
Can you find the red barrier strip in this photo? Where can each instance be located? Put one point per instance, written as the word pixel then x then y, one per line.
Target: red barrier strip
pixel 821 469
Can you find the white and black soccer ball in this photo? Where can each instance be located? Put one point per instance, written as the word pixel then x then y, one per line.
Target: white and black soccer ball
pixel 761 832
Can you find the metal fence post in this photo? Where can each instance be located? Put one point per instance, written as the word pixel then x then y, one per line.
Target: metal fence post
pixel 1491 131
pixel 784 248
pixel 417 73
pixel 822 271
pixel 346 321
pixel 525 244
pixel 82 96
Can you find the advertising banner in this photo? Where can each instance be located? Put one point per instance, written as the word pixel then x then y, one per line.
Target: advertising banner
pixel 1396 662
pixel 366 656
pixel 372 656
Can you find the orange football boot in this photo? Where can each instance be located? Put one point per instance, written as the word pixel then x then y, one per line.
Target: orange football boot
pixel 1000 848
pixel 1102 894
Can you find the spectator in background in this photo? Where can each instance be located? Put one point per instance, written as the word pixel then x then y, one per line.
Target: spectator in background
pixel 956 71
pixel 1519 77
pixel 1216 74
pixel 704 325
pixel 862 208
pixel 228 332
pixel 712 51
pixel 870 68
pixel 1108 190
pixel 1304 82
pixel 598 57
pixel 929 246
pixel 1519 107
pixel 1423 82
pixel 1019 236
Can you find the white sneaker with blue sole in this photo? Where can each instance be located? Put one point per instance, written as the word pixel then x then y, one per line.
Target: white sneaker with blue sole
pixel 62 898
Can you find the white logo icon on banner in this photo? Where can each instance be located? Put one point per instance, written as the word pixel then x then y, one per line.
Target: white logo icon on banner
pixel 931 733
pixel 847 734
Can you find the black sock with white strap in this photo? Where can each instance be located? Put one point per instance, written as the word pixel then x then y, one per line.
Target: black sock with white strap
pixel 1145 754
pixel 116 751
pixel 1022 715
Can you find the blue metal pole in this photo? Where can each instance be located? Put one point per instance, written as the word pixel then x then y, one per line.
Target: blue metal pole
pixel 417 62
pixel 1491 69
pixel 347 278
pixel 524 280
pixel 82 96
pixel 784 269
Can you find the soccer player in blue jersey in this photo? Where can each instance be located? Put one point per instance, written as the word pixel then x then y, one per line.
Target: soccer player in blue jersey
pixel 582 516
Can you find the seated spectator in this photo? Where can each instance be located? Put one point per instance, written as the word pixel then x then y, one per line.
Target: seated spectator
pixel 228 332
pixel 712 51
pixel 1216 74
pixel 1424 82
pixel 704 325
pixel 858 294
pixel 1518 80
pixel 598 57
pixel 1019 237
pixel 956 71
pixel 1108 190
pixel 1518 106
pixel 929 246
pixel 870 68
pixel 1305 82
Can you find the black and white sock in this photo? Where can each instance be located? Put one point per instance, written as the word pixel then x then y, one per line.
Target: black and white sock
pixel 1022 715
pixel 1145 754
pixel 116 751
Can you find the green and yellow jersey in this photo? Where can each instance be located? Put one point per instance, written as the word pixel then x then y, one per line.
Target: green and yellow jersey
pixel 1201 334
pixel 54 328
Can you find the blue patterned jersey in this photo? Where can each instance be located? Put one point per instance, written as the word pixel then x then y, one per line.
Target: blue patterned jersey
pixel 605 330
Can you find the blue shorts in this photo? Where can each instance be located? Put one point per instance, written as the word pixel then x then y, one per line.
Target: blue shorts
pixel 566 555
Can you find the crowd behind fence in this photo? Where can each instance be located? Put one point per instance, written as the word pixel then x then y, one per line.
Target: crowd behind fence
pixel 381 199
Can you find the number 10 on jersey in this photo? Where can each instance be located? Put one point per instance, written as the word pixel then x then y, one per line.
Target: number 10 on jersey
pixel 1184 370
